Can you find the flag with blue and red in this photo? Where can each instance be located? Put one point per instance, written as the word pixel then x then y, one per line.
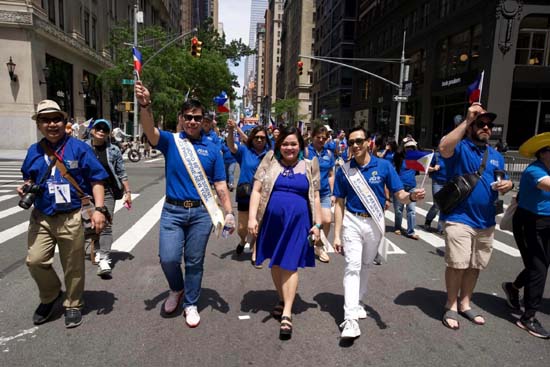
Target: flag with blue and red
pixel 418 160
pixel 474 89
pixel 222 102
pixel 137 60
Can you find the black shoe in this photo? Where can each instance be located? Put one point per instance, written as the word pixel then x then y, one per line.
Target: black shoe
pixel 378 260
pixel 44 311
pixel 73 317
pixel 533 327
pixel 240 248
pixel 512 295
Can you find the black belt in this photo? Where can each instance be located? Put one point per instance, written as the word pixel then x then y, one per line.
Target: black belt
pixel 185 203
pixel 363 215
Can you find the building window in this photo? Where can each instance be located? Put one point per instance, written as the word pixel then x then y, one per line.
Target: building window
pixel 94 33
pixel 61 14
pixel 51 11
pixel 460 53
pixel 533 47
pixel 415 26
pixel 86 27
pixel 426 15
pixel 444 8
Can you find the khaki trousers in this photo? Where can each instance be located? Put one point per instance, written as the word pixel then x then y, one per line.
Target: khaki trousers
pixel 65 230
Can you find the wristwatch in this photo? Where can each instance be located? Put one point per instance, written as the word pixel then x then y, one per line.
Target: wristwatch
pixel 103 210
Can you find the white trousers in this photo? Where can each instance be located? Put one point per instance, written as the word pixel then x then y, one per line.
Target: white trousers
pixel 360 237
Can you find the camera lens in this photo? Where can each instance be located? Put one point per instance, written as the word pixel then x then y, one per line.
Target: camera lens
pixel 27 201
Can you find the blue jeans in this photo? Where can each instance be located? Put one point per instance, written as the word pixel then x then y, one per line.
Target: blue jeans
pixel 434 210
pixel 411 214
pixel 230 173
pixel 184 232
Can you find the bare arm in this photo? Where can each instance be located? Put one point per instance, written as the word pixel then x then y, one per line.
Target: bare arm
pixel 230 139
pixel 449 142
pixel 146 115
pixel 253 208
pixel 223 195
pixel 406 198
pixel 338 219
pixel 98 219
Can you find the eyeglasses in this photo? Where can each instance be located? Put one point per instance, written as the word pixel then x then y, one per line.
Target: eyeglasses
pixel 197 118
pixel 47 120
pixel 480 124
pixel 103 128
pixel 358 141
pixel 259 137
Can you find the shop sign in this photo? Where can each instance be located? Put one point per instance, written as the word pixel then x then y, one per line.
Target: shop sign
pixel 451 82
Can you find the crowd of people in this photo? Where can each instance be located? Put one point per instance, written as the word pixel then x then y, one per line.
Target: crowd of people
pixel 288 188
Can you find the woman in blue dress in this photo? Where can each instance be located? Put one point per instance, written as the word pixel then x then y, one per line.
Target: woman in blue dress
pixel 285 215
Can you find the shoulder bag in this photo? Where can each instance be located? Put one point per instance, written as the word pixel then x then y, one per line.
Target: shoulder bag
pixel 459 188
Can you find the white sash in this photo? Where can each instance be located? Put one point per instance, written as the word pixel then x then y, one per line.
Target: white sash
pixel 369 200
pixel 200 181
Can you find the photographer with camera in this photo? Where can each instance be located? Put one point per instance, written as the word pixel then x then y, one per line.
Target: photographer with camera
pixel 470 226
pixel 56 217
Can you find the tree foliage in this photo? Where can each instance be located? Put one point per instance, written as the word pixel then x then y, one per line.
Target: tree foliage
pixel 174 73
pixel 285 109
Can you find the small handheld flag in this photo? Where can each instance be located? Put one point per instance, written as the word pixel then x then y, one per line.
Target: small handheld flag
pixel 475 89
pixel 222 102
pixel 137 61
pixel 418 160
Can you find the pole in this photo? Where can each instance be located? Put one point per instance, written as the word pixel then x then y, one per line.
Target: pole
pixel 400 90
pixel 169 44
pixel 136 127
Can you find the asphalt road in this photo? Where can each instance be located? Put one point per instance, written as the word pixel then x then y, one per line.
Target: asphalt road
pixel 123 327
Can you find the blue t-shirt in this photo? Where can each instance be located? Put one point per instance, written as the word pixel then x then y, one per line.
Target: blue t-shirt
pixel 80 161
pixel 439 176
pixel 532 198
pixel 214 138
pixel 331 145
pixel 388 156
pixel 179 185
pixel 326 165
pixel 248 161
pixel 378 173
pixel 407 176
pixel 478 210
pixel 228 157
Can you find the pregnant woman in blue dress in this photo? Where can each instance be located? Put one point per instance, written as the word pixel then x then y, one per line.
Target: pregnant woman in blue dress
pixel 285 209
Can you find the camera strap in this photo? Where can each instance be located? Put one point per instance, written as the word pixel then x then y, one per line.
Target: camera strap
pixel 483 163
pixel 62 169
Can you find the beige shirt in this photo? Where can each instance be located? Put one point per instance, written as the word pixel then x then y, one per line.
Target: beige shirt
pixel 268 172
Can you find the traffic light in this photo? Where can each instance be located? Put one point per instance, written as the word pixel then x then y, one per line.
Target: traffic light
pixel 196 47
pixel 406 120
pixel 300 67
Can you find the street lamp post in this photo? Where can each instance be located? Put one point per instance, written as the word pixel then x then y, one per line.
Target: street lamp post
pixel 400 90
pixel 136 127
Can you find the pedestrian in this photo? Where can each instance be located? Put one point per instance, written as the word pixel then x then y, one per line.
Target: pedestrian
pixel 408 177
pixel 275 135
pixel 230 165
pixel 190 209
pixel 359 226
pixel 116 187
pixel 56 219
pixel 209 130
pixel 531 226
pixel 326 167
pixel 389 152
pixel 146 146
pixel 285 215
pixel 438 175
pixel 469 228
pixel 342 145
pixel 248 155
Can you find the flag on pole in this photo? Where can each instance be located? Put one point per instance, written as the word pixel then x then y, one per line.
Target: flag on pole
pixel 222 101
pixel 137 61
pixel 475 89
pixel 418 160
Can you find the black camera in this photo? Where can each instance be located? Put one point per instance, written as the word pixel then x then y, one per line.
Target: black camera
pixel 29 195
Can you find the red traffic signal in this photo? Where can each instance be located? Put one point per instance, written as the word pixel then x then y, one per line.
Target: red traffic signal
pixel 300 67
pixel 196 47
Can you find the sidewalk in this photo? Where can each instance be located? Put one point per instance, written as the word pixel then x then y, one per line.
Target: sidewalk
pixel 12 155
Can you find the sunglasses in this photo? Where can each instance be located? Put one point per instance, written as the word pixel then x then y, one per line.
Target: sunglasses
pixel 261 138
pixel 103 128
pixel 358 141
pixel 321 137
pixel 47 120
pixel 197 118
pixel 480 124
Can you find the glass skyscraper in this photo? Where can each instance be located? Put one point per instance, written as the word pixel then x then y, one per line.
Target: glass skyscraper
pixel 257 14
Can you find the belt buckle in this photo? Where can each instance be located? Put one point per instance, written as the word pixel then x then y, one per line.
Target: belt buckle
pixel 187 204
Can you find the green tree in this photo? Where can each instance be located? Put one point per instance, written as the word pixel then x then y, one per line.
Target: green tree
pixel 285 109
pixel 174 73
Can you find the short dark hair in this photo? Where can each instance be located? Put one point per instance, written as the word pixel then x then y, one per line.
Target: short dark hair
pixel 252 135
pixel 190 104
pixel 358 128
pixel 319 129
pixel 286 131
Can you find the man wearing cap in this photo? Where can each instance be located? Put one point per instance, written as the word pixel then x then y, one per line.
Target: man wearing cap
pixel 470 227
pixel 193 163
pixel 208 125
pixel 56 217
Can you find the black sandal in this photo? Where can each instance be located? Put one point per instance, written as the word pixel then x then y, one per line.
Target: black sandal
pixel 277 311
pixel 285 331
pixel 240 248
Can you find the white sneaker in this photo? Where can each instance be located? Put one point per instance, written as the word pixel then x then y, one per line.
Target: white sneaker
pixel 104 266
pixel 361 312
pixel 192 317
pixel 97 257
pixel 350 329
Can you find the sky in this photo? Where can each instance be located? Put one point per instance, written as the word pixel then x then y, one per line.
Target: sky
pixel 236 24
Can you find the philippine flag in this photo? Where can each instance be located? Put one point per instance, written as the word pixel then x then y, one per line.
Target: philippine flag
pixel 137 60
pixel 222 101
pixel 418 160
pixel 475 89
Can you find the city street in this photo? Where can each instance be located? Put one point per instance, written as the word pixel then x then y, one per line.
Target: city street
pixel 123 327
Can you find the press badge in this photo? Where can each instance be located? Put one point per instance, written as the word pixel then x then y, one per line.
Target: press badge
pixel 72 164
pixel 62 194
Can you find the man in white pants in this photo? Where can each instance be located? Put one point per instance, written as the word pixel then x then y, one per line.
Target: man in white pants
pixel 359 189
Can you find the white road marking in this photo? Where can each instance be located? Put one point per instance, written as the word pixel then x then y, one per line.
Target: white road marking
pixel 131 237
pixel 10 211
pixel 5 191
pixel 4 340
pixel 14 231
pixel 7 197
pixel 154 160
pixel 7 175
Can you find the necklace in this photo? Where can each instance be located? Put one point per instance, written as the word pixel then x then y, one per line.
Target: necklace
pixel 288 171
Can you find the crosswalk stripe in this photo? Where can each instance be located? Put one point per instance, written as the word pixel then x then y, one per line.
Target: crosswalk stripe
pixel 154 160
pixel 11 185
pixel 13 232
pixel 11 170
pixel 10 211
pixel 11 180
pixel 5 175
pixel 131 237
pixel 7 197
pixel 393 249
pixel 5 191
